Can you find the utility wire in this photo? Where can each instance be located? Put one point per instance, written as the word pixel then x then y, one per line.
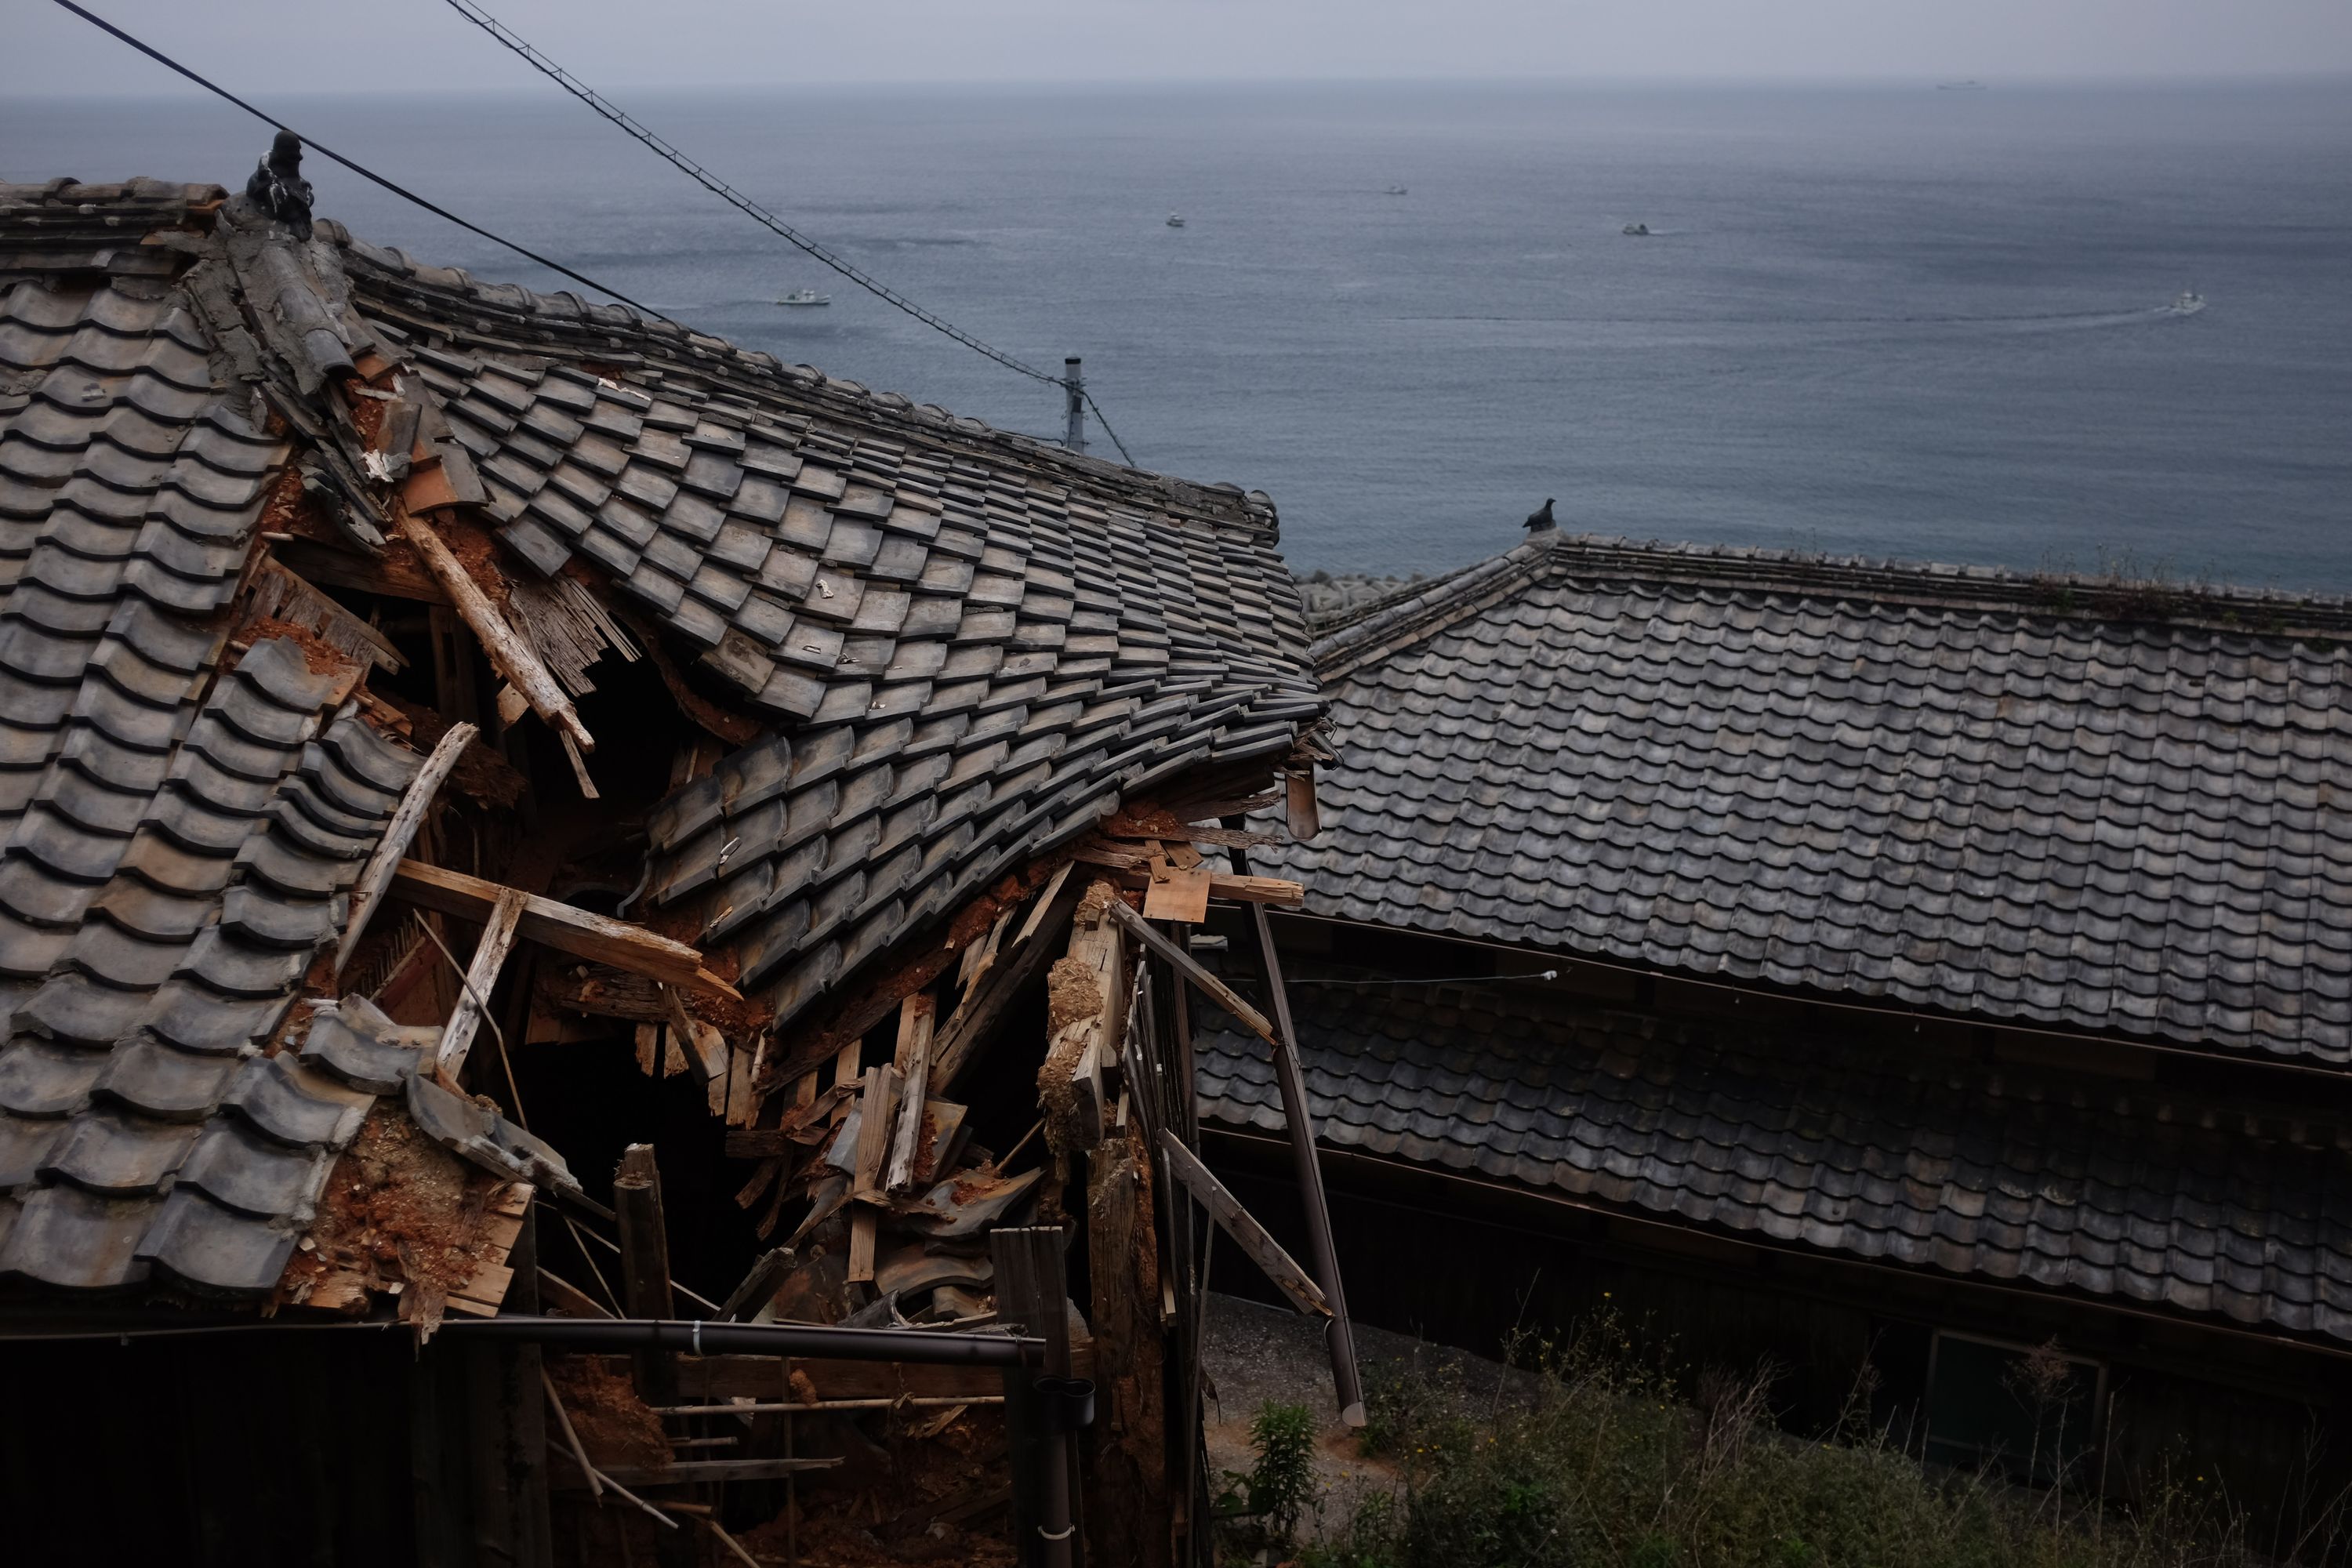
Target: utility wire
pixel 709 181
pixel 1434 979
pixel 588 96
pixel 160 57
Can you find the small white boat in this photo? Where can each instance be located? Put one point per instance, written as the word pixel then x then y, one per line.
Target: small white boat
pixel 1637 229
pixel 1175 222
pixel 805 297
pixel 2188 302
pixel 1396 190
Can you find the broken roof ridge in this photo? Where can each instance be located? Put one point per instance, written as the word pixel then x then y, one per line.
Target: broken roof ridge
pixel 1222 502
pixel 2117 598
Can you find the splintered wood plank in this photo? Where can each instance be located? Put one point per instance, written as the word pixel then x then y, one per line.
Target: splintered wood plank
pixel 914 1061
pixel 481 978
pixel 1090 983
pixel 957 1041
pixel 1180 895
pixel 981 956
pixel 562 926
pixel 481 1294
pixel 509 652
pixel 1256 889
pixel 336 1292
pixel 876 1108
pixel 863 1222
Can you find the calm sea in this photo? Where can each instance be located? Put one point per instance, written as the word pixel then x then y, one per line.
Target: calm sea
pixel 1889 321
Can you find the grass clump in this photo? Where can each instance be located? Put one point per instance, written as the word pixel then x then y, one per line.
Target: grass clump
pixel 1595 1457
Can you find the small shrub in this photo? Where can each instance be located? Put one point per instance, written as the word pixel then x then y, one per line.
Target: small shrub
pixel 1283 1480
pixel 1604 1452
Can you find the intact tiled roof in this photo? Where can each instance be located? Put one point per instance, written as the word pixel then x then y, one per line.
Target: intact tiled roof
pixel 967 644
pixel 2055 801
pixel 178 824
pixel 2113 1190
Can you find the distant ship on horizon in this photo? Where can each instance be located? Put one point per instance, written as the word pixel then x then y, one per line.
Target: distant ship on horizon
pixel 1959 87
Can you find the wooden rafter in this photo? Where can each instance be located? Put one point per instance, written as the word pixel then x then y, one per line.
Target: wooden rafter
pixel 510 653
pixel 415 805
pixel 1237 1222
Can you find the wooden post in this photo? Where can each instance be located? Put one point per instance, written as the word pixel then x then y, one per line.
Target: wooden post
pixel 1338 1333
pixel 645 1239
pixel 646 1293
pixel 1133 1525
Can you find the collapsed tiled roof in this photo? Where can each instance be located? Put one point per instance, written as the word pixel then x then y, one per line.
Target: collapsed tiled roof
pixel 2097 805
pixel 178 824
pixel 951 648
pixel 967 645
pixel 2119 1191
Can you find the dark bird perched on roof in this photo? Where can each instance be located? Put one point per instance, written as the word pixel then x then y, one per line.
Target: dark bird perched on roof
pixel 278 188
pixel 1541 519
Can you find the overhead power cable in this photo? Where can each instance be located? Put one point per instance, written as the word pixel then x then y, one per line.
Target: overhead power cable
pixel 160 57
pixel 709 181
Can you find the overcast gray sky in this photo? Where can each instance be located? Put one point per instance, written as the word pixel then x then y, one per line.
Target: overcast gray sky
pixel 334 44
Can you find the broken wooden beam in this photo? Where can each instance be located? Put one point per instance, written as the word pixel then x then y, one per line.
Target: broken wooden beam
pixel 563 927
pixel 957 1041
pixel 415 804
pixel 1185 964
pixel 509 652
pixel 1238 1222
pixel 1230 886
pixel 481 978
pixel 914 1063
pixel 645 1236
